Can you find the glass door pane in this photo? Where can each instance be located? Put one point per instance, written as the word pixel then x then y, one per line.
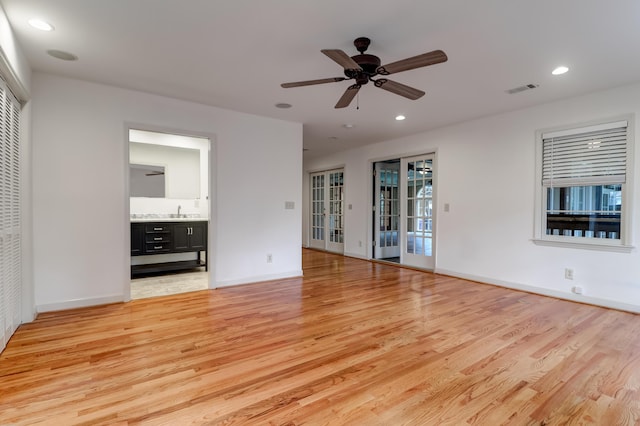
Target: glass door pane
pixel 387 210
pixel 317 210
pixel 336 211
pixel 327 210
pixel 419 234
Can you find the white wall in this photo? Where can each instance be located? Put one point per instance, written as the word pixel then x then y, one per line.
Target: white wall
pixel 486 172
pixel 81 219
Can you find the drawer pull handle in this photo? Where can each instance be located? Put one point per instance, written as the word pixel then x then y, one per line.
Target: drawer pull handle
pixel 157 229
pixel 157 247
pixel 157 239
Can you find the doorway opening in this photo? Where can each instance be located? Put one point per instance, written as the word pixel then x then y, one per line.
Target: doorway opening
pixel 169 213
pixel 403 211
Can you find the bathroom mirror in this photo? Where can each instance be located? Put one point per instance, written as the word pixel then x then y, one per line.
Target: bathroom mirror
pixel 164 171
pixel 147 180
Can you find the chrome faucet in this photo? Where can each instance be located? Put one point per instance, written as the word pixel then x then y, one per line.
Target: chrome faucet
pixel 179 207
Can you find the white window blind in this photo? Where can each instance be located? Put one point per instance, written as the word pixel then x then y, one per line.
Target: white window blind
pixel 594 155
pixel 10 212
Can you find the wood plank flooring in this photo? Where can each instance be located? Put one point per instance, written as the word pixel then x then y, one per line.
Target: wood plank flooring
pixel 351 343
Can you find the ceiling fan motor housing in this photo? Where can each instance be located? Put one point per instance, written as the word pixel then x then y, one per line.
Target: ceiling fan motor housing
pixel 369 65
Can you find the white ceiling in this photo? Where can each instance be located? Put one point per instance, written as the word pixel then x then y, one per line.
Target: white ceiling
pixel 235 53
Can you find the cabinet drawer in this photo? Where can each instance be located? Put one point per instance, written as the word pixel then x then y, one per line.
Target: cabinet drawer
pixel 152 228
pixel 158 247
pixel 157 238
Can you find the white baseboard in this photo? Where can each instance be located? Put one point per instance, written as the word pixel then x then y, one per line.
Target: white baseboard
pixel 545 292
pixel 117 298
pixel 356 255
pixel 80 303
pixel 258 278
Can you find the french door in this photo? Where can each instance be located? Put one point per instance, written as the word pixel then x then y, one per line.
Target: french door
pixel 327 210
pixel 387 210
pixel 417 216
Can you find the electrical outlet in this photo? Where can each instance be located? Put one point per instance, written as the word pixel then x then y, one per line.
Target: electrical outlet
pixel 269 258
pixel 568 273
pixel 577 289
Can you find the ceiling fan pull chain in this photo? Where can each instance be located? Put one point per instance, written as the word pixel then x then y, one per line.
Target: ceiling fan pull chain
pixel 358 101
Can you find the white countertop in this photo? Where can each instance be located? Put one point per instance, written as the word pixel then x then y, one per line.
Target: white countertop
pixel 168 219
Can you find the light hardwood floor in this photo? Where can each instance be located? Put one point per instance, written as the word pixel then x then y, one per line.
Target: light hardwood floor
pixel 351 343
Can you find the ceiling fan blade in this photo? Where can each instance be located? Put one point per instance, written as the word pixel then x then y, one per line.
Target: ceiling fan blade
pixel 311 82
pixel 431 58
pixel 342 59
pixel 348 96
pixel 399 89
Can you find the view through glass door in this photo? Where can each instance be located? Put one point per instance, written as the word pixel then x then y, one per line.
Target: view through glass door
pixel 417 216
pixel 327 210
pixel 387 211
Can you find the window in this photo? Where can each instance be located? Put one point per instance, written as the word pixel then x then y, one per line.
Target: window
pixel 582 198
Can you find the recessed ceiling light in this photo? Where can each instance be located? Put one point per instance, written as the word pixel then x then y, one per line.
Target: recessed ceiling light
pixel 61 54
pixel 348 126
pixel 283 105
pixel 400 117
pixel 40 24
pixel 560 70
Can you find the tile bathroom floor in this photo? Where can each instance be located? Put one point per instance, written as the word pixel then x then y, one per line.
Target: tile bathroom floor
pixel 163 285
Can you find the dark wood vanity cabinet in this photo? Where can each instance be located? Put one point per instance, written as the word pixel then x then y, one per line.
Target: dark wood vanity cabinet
pixel 157 238
pixel 152 238
pixel 137 239
pixel 191 236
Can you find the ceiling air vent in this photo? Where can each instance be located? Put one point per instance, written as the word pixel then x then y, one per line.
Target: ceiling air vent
pixel 521 88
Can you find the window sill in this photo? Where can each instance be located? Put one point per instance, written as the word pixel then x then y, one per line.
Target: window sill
pixel 618 248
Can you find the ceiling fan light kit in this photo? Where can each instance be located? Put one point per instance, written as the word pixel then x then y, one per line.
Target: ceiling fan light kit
pixel 363 67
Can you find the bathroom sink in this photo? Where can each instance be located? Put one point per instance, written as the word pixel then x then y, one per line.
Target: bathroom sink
pixel 171 217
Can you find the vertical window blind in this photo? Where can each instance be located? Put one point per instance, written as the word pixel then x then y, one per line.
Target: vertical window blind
pixel 10 215
pixel 594 155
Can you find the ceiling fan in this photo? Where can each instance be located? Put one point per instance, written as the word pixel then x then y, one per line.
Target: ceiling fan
pixel 363 67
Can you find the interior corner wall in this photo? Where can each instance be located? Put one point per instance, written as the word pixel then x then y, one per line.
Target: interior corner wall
pixel 486 173
pixel 81 227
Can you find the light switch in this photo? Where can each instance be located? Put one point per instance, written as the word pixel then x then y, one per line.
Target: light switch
pixel 446 207
pixel 289 205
